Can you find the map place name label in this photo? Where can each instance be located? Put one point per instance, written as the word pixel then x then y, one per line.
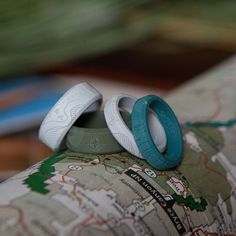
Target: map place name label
pixel 166 205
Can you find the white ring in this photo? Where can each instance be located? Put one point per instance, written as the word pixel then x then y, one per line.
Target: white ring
pixel 78 99
pixel 122 133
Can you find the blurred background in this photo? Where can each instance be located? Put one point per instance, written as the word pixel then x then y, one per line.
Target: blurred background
pixel 132 46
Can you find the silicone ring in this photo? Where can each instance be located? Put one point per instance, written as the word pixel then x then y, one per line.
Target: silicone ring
pixel 91 135
pixel 122 133
pixel 173 154
pixel 80 98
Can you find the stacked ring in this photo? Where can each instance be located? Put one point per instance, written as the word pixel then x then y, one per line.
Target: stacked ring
pixel 142 135
pixel 153 122
pixel 90 134
pixel 80 98
pixel 122 133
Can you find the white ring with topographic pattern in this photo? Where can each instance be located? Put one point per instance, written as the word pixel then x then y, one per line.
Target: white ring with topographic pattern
pixel 120 130
pixel 80 98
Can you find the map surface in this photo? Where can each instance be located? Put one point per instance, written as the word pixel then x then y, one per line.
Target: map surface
pixel 78 194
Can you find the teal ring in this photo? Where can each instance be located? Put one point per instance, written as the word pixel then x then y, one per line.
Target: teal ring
pixel 174 150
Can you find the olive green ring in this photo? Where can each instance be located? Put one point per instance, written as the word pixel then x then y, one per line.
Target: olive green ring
pixel 90 134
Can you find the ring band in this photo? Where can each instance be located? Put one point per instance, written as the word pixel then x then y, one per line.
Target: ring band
pixel 80 98
pixel 173 154
pixel 121 132
pixel 91 135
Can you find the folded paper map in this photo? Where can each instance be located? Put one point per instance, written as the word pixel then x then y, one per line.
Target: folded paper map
pixel 119 194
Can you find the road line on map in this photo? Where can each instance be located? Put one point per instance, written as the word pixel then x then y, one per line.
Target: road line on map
pixel 186 217
pixel 215 92
pixel 21 218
